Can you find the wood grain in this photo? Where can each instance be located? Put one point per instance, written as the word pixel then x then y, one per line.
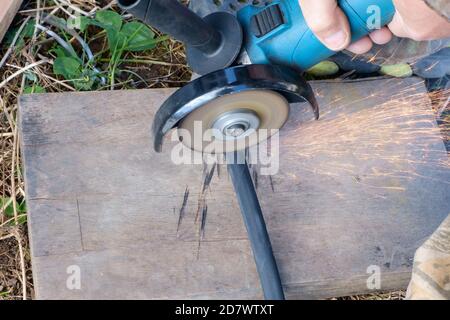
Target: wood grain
pixel 363 186
pixel 8 9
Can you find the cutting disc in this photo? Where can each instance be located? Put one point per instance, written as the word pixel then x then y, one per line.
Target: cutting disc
pixel 233 102
pixel 234 121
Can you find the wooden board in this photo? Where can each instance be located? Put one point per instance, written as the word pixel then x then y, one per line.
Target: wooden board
pixel 8 9
pixel 364 186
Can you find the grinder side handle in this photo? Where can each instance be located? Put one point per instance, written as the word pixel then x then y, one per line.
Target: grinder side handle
pixel 176 20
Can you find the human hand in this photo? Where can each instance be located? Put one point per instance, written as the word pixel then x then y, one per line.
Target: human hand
pixel 413 19
pixel 416 20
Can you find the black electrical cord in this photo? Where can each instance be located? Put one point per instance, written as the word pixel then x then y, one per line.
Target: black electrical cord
pixel 257 232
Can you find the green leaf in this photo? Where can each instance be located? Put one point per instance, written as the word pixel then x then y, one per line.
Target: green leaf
pixel 109 20
pixel 401 70
pixel 34 89
pixel 22 220
pixel 67 67
pixel 139 36
pixel 60 52
pixel 86 80
pixel 116 40
pixel 9 210
pixel 26 33
pixel 82 77
pixel 112 23
pixel 81 23
pixel 28 30
pixel 22 207
pixel 324 69
pixel 30 75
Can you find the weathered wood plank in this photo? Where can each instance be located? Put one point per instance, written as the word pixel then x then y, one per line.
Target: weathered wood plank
pixel 8 9
pixel 363 186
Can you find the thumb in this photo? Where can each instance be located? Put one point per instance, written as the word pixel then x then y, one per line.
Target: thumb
pixel 414 19
pixel 398 26
pixel 328 22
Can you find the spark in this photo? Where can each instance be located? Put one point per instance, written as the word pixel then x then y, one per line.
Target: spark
pixel 397 140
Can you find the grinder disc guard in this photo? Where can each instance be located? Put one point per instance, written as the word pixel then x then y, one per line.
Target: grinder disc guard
pixel 280 86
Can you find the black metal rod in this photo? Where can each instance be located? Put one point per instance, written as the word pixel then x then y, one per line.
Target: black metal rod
pixel 176 20
pixel 257 232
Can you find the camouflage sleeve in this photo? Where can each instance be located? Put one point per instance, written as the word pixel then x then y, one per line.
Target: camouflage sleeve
pixel 431 269
pixel 401 50
pixel 441 6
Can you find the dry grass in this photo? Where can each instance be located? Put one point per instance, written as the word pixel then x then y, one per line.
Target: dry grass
pixel 395 295
pixel 14 255
pixel 23 65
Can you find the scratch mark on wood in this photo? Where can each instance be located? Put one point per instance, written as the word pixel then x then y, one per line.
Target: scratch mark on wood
pixel 206 183
pixel 202 229
pixel 271 184
pixel 200 203
pixel 255 177
pixel 208 178
pixel 205 167
pixel 79 224
pixel 183 208
pixel 198 248
pixel 203 223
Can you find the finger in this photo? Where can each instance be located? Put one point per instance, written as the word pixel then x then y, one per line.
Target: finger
pixel 381 36
pixel 328 22
pixel 397 26
pixel 361 46
pixel 415 20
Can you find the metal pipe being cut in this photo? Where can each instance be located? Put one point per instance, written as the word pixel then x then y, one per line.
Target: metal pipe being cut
pixel 257 231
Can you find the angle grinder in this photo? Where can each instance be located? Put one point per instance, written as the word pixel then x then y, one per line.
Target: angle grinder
pixel 250 58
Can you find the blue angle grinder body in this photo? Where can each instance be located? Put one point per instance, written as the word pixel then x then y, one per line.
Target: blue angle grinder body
pixel 278 33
